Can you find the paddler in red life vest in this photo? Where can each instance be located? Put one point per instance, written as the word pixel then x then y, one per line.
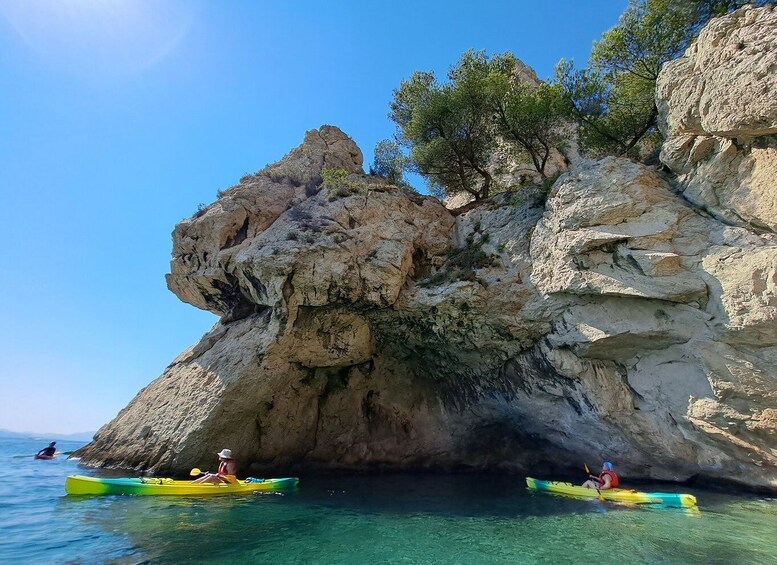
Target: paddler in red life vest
pixel 226 472
pixel 608 479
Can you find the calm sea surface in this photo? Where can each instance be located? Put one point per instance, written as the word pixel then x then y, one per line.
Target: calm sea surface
pixel 365 520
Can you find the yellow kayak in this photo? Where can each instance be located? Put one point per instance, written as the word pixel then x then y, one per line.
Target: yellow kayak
pixel 79 484
pixel 618 494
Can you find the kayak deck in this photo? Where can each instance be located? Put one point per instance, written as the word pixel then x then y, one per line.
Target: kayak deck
pixel 83 485
pixel 623 495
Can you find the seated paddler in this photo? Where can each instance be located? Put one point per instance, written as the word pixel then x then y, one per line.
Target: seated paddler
pixel 226 471
pixel 607 479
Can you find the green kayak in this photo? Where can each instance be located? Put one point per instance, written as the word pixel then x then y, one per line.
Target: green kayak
pixel 618 494
pixel 79 484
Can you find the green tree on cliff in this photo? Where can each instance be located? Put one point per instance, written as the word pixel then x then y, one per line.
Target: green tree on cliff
pixel 389 162
pixel 529 118
pixel 533 119
pixel 448 130
pixel 453 130
pixel 613 99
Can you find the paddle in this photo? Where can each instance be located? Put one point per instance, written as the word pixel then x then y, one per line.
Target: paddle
pixel 587 470
pixel 229 479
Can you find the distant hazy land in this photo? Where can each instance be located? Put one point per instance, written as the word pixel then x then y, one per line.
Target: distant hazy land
pixel 81 436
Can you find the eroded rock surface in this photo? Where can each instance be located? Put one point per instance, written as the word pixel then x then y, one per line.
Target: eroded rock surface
pixel 717 109
pixel 365 327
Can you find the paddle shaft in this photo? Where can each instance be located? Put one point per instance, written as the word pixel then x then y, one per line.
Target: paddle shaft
pixel 590 476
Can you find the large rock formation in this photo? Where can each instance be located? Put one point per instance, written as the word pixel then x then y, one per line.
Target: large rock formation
pixel 717 109
pixel 363 326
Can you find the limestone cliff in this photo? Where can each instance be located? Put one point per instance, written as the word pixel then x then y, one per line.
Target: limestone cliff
pixel 365 327
pixel 718 112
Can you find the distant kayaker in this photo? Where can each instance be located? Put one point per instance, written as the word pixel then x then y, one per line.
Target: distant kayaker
pixel 48 451
pixel 606 480
pixel 226 472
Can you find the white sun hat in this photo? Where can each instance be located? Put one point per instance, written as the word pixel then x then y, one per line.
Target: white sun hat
pixel 225 453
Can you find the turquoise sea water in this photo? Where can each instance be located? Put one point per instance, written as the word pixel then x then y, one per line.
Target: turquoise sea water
pixel 406 519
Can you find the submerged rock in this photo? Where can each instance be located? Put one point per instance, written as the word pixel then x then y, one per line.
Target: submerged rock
pixel 363 326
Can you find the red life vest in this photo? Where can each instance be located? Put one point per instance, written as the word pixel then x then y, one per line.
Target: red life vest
pixel 614 481
pixel 223 468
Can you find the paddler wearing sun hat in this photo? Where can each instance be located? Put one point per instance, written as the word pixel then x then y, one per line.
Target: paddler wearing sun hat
pixel 226 471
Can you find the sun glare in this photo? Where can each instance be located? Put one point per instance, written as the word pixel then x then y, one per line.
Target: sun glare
pixel 99 36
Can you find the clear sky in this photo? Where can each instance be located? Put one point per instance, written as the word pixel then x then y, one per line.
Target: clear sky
pixel 118 117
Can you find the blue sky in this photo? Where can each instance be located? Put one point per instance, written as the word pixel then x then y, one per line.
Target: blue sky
pixel 118 117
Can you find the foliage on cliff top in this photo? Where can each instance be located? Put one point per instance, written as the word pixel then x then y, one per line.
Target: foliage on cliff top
pixel 389 162
pixel 614 98
pixel 453 129
pixel 447 130
pixel 337 183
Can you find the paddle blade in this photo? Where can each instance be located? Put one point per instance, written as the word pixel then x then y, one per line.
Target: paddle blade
pixel 194 472
pixel 587 470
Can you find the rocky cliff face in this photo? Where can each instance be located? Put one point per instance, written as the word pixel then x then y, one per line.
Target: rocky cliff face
pixel 364 327
pixel 720 118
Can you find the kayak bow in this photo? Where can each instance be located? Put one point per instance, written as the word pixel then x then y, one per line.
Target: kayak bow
pixel 617 494
pixel 79 485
